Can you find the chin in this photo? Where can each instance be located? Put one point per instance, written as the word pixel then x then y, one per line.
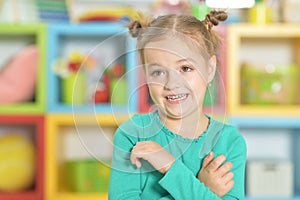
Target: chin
pixel 179 114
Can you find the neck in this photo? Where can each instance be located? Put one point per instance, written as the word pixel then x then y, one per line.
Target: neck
pixel 191 126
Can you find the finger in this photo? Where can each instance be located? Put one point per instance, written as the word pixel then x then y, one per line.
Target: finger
pixel 230 185
pixel 138 163
pixel 134 154
pixel 225 168
pixel 208 159
pixel 228 177
pixel 133 157
pixel 215 164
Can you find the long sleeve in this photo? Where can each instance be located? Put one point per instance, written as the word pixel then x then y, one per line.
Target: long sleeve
pixel 181 183
pixel 125 179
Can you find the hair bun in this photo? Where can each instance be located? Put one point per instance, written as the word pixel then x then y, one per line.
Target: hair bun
pixel 213 18
pixel 134 28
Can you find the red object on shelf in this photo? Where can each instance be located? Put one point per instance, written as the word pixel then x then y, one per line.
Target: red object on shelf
pixel 38 122
pixel 101 94
pixel 99 18
pixel 74 66
pixel 118 70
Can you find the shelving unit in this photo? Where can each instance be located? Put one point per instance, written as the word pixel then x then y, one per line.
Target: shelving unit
pixel 69 129
pixel 271 130
pixel 63 144
pixel 99 40
pixel 283 140
pixel 13 38
pixel 278 198
pixel 277 44
pixel 34 124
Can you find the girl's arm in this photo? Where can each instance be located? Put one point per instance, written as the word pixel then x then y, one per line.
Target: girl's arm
pixel 125 178
pixel 181 183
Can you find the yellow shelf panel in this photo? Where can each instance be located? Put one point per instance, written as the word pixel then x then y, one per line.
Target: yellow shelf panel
pixel 269 30
pixel 236 34
pixel 266 110
pixel 81 196
pixel 54 122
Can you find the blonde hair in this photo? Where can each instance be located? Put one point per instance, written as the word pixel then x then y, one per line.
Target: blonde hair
pixel 149 29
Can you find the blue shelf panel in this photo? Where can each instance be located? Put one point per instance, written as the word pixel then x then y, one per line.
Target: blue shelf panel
pixel 93 35
pixel 91 108
pixel 273 198
pixel 265 122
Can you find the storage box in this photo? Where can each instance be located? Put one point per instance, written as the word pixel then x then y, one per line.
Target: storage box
pixel 269 179
pixel 87 176
pixel 270 84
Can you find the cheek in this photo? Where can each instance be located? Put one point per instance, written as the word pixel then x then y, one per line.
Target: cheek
pixel 195 82
pixel 155 90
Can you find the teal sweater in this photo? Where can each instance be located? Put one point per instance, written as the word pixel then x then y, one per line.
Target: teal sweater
pixel 180 182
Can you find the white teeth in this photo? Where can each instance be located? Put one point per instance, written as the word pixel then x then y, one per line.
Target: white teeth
pixel 176 97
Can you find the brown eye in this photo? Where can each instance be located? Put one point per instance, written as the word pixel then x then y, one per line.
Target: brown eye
pixel 186 69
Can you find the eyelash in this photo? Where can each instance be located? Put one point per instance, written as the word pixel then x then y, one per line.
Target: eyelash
pixel 157 73
pixel 186 68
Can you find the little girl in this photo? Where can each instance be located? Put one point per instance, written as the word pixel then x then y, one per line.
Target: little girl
pixel 177 151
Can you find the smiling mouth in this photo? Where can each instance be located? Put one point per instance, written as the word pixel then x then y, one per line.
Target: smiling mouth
pixel 176 98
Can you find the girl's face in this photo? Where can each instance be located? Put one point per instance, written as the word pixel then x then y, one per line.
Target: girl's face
pixel 176 76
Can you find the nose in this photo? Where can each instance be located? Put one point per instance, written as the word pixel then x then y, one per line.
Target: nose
pixel 173 80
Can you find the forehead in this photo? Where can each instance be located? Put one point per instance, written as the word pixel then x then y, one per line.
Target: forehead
pixel 176 48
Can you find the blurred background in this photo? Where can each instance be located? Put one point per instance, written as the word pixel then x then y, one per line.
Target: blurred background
pixel 69 75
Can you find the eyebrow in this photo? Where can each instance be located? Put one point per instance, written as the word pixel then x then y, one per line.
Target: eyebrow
pixel 153 65
pixel 186 60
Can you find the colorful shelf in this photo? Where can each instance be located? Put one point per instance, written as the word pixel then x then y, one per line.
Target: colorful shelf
pixel 98 39
pixel 28 34
pixel 37 193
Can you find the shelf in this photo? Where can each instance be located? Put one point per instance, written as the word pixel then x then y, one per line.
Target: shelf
pixel 72 196
pixel 263 122
pixel 274 139
pixel 76 138
pixel 100 41
pixel 272 198
pixel 278 45
pixel 14 38
pixel 36 124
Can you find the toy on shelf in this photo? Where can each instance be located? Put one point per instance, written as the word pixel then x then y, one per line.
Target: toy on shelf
pixel 199 9
pixel 117 83
pixel 270 84
pixel 73 77
pixel 107 14
pixel 17 163
pixel 18 78
pixel 52 11
pixel 87 176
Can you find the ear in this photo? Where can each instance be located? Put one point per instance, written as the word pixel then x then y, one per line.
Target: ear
pixel 212 65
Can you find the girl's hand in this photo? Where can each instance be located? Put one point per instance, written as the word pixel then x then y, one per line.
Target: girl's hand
pixel 152 152
pixel 215 175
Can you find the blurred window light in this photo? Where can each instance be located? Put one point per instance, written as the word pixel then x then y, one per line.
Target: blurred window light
pixel 230 3
pixel 174 2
